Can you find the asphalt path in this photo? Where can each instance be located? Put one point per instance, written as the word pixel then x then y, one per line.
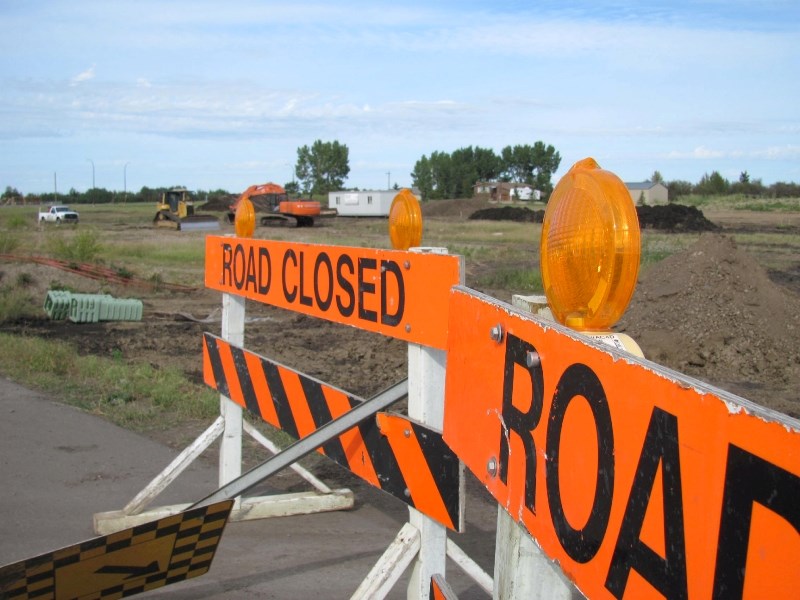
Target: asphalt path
pixel 59 466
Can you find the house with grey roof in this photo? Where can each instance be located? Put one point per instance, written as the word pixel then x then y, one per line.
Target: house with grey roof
pixel 647 193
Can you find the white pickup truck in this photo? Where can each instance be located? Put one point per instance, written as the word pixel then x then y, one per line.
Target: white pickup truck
pixel 59 214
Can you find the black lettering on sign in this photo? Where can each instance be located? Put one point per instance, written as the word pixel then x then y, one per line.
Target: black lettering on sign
pixel 666 574
pixel 245 270
pixel 250 279
pixel 389 266
pixel 581 544
pixel 264 264
pixel 364 288
pixel 290 295
pixel 345 309
pixel 305 300
pixel 323 259
pixel 521 423
pixel 238 267
pixel 749 479
pixel 227 260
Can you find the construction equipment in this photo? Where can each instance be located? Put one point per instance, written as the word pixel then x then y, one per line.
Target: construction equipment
pixel 272 201
pixel 176 211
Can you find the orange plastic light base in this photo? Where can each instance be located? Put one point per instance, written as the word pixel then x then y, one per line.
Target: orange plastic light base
pixel 245 220
pixel 590 248
pixel 405 221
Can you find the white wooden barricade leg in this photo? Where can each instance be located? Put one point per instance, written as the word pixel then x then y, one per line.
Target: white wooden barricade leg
pixel 426 374
pixel 230 452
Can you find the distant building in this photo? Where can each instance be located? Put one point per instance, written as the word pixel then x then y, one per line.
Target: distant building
pixel 505 191
pixel 648 193
pixel 366 203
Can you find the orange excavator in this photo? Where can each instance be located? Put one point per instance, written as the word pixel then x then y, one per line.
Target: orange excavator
pixel 271 200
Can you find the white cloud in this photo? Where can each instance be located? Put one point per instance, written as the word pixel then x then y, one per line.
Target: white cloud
pixel 86 75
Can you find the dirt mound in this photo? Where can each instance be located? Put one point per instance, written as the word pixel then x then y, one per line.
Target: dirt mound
pixel 219 203
pixel 674 217
pixel 509 213
pixel 712 312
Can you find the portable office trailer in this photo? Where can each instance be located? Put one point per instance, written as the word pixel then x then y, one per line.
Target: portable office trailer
pixel 367 203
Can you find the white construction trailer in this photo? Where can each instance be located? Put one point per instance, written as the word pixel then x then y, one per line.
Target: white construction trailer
pixel 366 203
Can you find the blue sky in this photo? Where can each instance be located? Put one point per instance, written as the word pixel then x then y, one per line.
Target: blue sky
pixel 221 94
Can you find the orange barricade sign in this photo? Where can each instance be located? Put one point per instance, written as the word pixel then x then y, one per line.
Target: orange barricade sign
pixel 638 481
pixel 399 294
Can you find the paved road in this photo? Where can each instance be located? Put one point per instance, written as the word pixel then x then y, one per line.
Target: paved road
pixel 59 466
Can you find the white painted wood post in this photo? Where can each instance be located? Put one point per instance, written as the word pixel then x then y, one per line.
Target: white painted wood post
pixel 426 378
pixel 426 371
pixel 230 458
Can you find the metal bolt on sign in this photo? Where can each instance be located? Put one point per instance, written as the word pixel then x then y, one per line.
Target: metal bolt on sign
pixel 532 359
pixel 497 333
pixel 491 466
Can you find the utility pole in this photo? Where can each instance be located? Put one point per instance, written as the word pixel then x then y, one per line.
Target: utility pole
pixel 125 182
pixel 91 161
pixel 389 180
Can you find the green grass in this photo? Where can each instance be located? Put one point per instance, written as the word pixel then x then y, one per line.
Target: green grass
pixel 520 280
pixel 132 396
pixel 740 202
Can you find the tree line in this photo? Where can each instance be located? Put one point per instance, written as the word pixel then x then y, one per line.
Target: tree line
pixel 714 184
pixel 453 175
pixel 323 167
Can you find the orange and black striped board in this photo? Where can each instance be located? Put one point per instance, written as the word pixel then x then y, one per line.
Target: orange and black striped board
pixel 124 563
pixel 394 454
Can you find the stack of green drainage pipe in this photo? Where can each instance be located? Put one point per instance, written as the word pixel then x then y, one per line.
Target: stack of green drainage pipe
pixel 90 308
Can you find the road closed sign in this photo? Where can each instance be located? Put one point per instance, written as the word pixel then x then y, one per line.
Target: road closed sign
pixel 395 293
pixel 639 482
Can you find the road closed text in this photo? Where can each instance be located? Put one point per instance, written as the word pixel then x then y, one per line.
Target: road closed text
pixel 383 291
pixel 636 483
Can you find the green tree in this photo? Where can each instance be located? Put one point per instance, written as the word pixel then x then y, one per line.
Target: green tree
pixel 531 164
pixel 11 195
pixel 422 178
pixel 678 188
pixel 323 167
pixel 656 177
pixel 712 185
pixel 292 188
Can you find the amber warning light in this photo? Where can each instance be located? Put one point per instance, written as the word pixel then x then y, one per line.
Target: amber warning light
pixel 405 221
pixel 245 220
pixel 590 248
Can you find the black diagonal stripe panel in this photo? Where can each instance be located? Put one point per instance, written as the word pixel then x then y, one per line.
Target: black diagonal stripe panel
pixel 383 458
pixel 279 399
pixel 321 413
pixel 245 381
pixel 221 383
pixel 444 465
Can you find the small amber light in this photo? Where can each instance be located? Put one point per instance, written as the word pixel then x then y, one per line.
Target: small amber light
pixel 245 220
pixel 405 221
pixel 590 248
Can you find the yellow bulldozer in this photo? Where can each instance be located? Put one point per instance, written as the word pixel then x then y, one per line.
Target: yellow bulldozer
pixel 176 211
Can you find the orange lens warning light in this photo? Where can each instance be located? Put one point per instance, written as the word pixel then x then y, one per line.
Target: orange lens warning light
pixel 590 248
pixel 405 221
pixel 245 221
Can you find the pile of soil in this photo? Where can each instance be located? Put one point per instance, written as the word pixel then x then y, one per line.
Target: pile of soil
pixel 674 217
pixel 712 312
pixel 509 213
pixel 220 203
pixel 670 217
